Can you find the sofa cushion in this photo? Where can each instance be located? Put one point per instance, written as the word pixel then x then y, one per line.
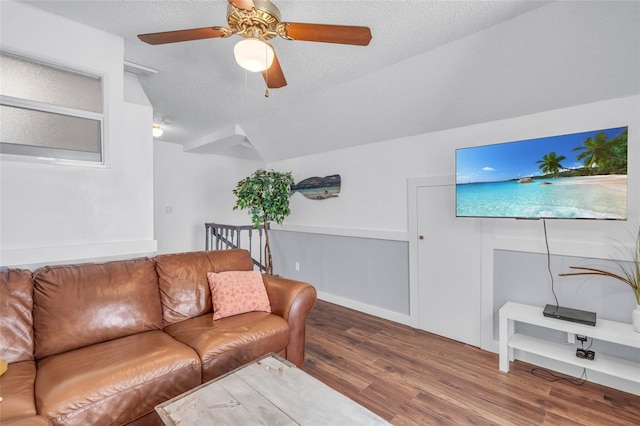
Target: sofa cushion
pixel 182 277
pixel 228 343
pixel 76 306
pixel 16 315
pixel 17 391
pixel 237 292
pixel 115 382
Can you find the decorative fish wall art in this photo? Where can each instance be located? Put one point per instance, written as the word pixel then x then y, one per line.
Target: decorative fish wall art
pixel 317 188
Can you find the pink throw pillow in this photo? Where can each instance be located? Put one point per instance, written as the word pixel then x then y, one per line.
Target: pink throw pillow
pixel 237 292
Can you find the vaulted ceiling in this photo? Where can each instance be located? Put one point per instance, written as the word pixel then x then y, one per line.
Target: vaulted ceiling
pixel 417 75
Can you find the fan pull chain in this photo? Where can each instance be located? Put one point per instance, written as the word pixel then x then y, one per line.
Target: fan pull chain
pixel 266 71
pixel 266 81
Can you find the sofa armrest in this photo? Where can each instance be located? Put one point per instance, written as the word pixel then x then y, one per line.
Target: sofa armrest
pixel 17 391
pixel 292 300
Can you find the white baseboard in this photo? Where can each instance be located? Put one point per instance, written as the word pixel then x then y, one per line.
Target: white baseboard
pixel 363 307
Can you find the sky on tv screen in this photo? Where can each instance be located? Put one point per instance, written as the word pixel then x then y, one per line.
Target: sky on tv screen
pixel 513 160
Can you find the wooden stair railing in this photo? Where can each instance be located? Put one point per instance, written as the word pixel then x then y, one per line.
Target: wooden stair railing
pixel 225 237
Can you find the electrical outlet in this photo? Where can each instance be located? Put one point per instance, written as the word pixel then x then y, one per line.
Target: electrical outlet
pixel 581 338
pixel 585 354
pixel 297 266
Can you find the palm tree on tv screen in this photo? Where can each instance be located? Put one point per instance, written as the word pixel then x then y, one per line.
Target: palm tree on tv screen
pixel 619 160
pixel 600 152
pixel 550 163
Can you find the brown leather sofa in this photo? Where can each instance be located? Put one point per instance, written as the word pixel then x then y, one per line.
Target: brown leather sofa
pixel 103 344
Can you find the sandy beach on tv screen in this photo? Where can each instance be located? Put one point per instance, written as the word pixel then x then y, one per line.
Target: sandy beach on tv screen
pixel 618 182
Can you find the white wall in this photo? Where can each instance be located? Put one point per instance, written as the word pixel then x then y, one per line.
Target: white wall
pixel 374 199
pixel 191 190
pixel 55 213
pixel 374 177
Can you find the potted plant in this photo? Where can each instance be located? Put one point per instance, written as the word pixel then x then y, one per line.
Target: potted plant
pixel 266 195
pixel 630 275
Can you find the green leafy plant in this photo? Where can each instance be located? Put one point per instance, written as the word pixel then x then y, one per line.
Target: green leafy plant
pixel 630 274
pixel 266 195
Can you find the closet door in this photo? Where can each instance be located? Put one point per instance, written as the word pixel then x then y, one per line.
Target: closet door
pixel 449 266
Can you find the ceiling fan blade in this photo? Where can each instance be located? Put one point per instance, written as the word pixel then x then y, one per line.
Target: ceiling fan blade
pixel 341 34
pixel 242 4
pixel 274 77
pixel 181 35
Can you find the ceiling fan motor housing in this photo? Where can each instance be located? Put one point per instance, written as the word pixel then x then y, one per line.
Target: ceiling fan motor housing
pixel 261 22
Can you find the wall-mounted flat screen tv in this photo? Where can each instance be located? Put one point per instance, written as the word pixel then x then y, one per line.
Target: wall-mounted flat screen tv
pixel 572 176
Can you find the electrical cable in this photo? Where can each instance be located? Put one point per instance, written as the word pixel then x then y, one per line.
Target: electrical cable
pixel 543 373
pixel 546 242
pixel 549 376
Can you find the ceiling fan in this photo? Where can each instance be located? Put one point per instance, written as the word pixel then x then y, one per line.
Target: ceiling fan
pixel 257 21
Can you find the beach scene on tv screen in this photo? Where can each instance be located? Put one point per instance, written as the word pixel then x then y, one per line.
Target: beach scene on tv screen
pixel 579 175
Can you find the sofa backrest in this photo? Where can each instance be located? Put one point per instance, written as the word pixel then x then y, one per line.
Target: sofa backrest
pixel 16 315
pixel 79 305
pixel 182 277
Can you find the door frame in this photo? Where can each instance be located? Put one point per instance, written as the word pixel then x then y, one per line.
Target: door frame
pixel 487 341
pixel 412 208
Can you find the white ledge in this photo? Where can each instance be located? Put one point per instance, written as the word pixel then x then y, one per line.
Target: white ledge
pixel 32 257
pixel 346 232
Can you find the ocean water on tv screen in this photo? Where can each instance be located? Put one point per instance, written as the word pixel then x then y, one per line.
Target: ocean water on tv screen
pixel 544 198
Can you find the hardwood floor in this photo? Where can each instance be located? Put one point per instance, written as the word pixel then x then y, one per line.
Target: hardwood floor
pixel 411 377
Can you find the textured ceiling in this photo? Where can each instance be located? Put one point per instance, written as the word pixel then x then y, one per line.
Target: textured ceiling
pixel 210 105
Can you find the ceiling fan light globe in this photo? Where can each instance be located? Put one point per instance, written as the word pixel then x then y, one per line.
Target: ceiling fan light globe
pixel 253 54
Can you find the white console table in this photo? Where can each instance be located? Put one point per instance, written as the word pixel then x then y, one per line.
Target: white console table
pixel 604 330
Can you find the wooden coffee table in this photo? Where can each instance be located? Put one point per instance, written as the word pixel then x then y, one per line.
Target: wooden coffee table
pixel 269 391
